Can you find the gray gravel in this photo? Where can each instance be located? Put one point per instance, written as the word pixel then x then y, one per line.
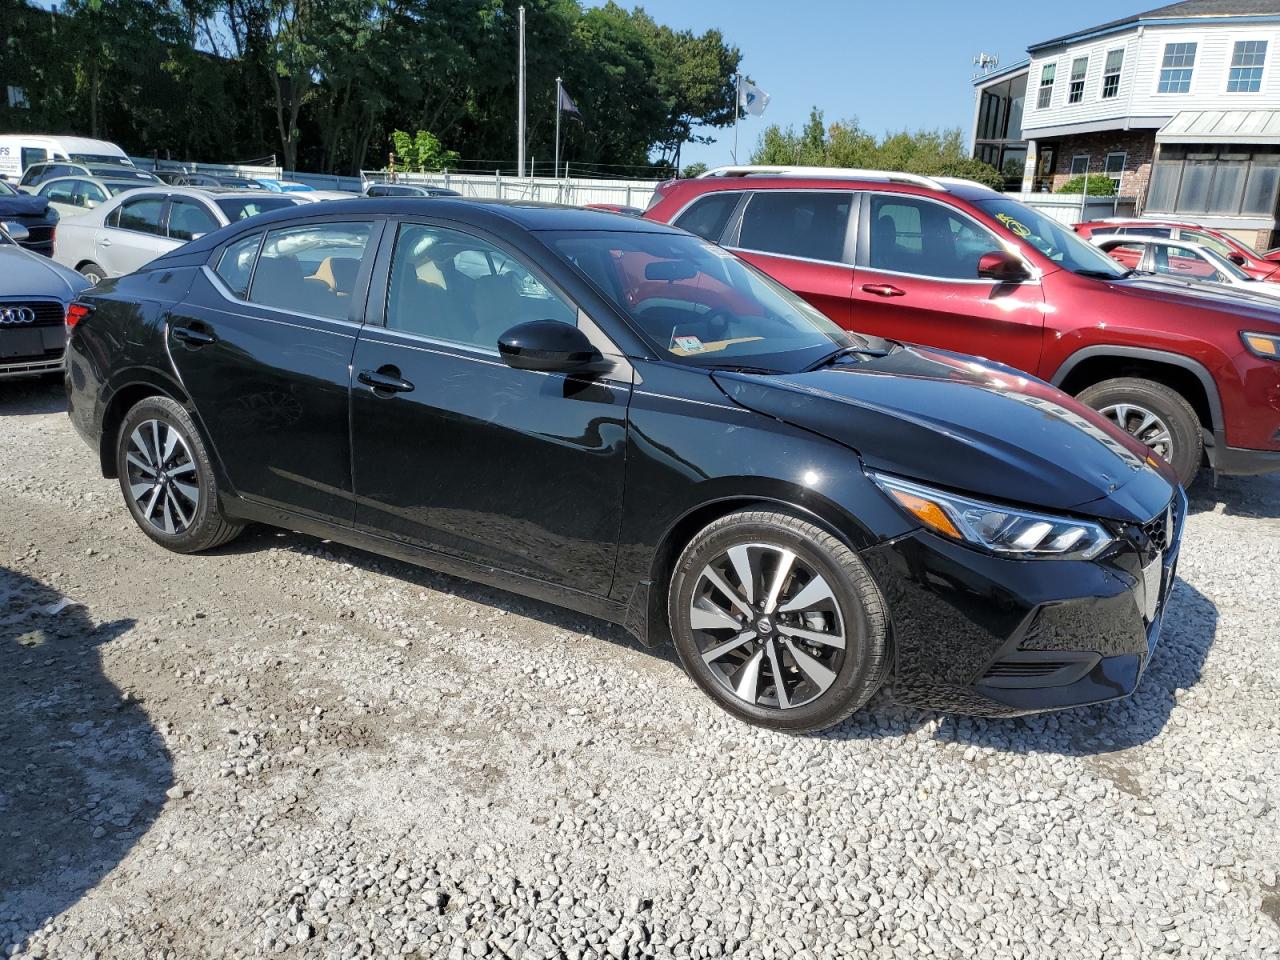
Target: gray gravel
pixel 292 749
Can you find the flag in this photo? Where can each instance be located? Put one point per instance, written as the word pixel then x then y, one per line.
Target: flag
pixel 567 105
pixel 752 99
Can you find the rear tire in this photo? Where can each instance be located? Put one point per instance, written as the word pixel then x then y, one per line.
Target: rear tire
pixel 93 273
pixel 812 617
pixel 167 478
pixel 1154 414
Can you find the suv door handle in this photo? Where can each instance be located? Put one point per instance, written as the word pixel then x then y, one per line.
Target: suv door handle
pixel 384 380
pixel 193 337
pixel 883 290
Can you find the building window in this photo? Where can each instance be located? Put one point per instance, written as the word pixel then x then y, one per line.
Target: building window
pixel 1215 181
pixel 1079 67
pixel 18 99
pixel 1114 168
pixel 1175 69
pixel 1080 165
pixel 1046 85
pixel 1111 74
pixel 1246 66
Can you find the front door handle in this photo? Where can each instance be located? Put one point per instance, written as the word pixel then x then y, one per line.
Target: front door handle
pixel 104 242
pixel 883 290
pixel 384 380
pixel 193 337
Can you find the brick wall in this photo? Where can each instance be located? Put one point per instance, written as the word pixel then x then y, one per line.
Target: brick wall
pixel 1137 145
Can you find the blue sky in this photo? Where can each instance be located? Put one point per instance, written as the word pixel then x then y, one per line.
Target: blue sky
pixel 893 65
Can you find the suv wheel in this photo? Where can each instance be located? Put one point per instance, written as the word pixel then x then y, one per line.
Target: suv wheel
pixel 1156 415
pixel 778 621
pixel 167 479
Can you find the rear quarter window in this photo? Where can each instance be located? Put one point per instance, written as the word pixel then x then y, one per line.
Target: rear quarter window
pixel 709 215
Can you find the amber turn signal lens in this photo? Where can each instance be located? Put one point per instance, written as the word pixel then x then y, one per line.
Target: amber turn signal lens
pixel 1262 344
pixel 927 512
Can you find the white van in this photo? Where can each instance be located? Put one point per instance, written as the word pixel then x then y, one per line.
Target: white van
pixel 20 150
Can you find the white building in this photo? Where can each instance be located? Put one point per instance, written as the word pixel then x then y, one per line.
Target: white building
pixel 1180 106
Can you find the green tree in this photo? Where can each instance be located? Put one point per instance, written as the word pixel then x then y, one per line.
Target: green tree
pixel 692 170
pixel 421 153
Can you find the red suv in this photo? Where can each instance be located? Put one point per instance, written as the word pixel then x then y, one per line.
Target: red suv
pixel 1257 265
pixel 954 264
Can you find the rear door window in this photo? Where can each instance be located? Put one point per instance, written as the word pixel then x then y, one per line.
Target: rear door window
pixel 793 223
pixel 142 215
pixel 311 269
pixel 709 215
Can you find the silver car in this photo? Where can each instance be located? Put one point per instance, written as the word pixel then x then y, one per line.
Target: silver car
pixel 34 293
pixel 133 228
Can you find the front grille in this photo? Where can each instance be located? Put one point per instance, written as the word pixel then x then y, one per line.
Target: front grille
pixel 1159 530
pixel 48 313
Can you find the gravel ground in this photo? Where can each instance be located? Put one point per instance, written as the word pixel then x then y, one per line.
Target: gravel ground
pixel 289 748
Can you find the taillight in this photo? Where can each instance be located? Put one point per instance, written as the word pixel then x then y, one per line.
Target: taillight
pixel 77 312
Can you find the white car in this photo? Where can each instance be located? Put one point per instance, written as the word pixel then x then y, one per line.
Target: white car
pixel 76 196
pixel 133 228
pixel 1183 260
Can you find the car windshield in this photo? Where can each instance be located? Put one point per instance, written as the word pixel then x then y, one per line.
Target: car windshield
pixel 239 208
pixel 1221 264
pixel 700 304
pixel 99 158
pixel 1057 242
pixel 120 186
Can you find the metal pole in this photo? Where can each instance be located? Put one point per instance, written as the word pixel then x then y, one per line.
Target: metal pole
pixel 737 101
pixel 556 169
pixel 520 105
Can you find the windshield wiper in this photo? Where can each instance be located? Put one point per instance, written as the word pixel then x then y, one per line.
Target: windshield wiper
pixel 739 368
pixel 843 352
pixel 1104 274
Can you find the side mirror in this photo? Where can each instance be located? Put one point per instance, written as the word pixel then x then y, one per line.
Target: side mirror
pixel 1237 258
pixel 550 346
pixel 1002 266
pixel 17 232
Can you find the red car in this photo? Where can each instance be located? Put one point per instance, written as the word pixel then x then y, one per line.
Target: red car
pixel 954 264
pixel 1257 265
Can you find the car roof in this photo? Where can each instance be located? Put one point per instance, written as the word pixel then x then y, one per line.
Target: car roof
pixel 834 178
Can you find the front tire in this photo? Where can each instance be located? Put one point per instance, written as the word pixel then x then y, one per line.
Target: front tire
pixel 167 478
pixel 778 621
pixel 1156 415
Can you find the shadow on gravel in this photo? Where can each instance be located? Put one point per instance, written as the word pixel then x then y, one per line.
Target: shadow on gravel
pixel 1190 625
pixel 32 395
pixel 1257 497
pixel 84 773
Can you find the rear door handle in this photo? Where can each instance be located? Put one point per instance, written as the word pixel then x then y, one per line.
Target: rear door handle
pixel 384 380
pixel 104 242
pixel 193 337
pixel 883 290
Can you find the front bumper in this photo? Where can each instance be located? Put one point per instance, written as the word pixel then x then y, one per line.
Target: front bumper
pixel 979 634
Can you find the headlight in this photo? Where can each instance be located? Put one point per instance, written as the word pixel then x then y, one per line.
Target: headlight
pixel 1004 530
pixel 1262 345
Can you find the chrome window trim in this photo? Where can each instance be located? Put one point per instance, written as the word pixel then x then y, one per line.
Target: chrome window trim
pixel 1033 280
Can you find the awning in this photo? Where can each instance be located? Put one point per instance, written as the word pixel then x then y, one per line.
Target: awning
pixel 1222 126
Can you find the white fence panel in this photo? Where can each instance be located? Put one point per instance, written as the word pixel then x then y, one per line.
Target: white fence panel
pixel 1067 209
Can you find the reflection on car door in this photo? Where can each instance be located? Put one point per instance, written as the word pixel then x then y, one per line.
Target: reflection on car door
pixel 917 280
pixel 133 235
pixel 455 451
pixel 263 344
pixel 800 238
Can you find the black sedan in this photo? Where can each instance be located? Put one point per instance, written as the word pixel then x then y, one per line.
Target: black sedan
pixel 626 420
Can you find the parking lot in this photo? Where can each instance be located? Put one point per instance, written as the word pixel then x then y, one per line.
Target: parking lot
pixel 291 748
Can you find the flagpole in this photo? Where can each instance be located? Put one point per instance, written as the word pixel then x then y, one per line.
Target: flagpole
pixel 737 108
pixel 559 97
pixel 520 102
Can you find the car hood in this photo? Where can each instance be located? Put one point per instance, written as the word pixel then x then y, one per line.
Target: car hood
pixel 1189 293
pixel 969 425
pixel 27 274
pixel 25 205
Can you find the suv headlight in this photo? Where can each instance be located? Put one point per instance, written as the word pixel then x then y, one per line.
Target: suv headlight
pixel 1262 345
pixel 997 528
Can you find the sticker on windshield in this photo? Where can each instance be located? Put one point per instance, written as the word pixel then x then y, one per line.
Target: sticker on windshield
pixel 687 344
pixel 1016 227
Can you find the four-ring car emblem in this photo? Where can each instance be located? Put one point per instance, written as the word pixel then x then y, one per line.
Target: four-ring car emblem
pixel 12 316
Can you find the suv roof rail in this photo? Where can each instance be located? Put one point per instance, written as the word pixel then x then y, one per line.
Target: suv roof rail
pixel 838 173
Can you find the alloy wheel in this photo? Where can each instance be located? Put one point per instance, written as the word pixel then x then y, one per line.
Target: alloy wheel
pixel 162 476
pixel 1142 424
pixel 768 626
